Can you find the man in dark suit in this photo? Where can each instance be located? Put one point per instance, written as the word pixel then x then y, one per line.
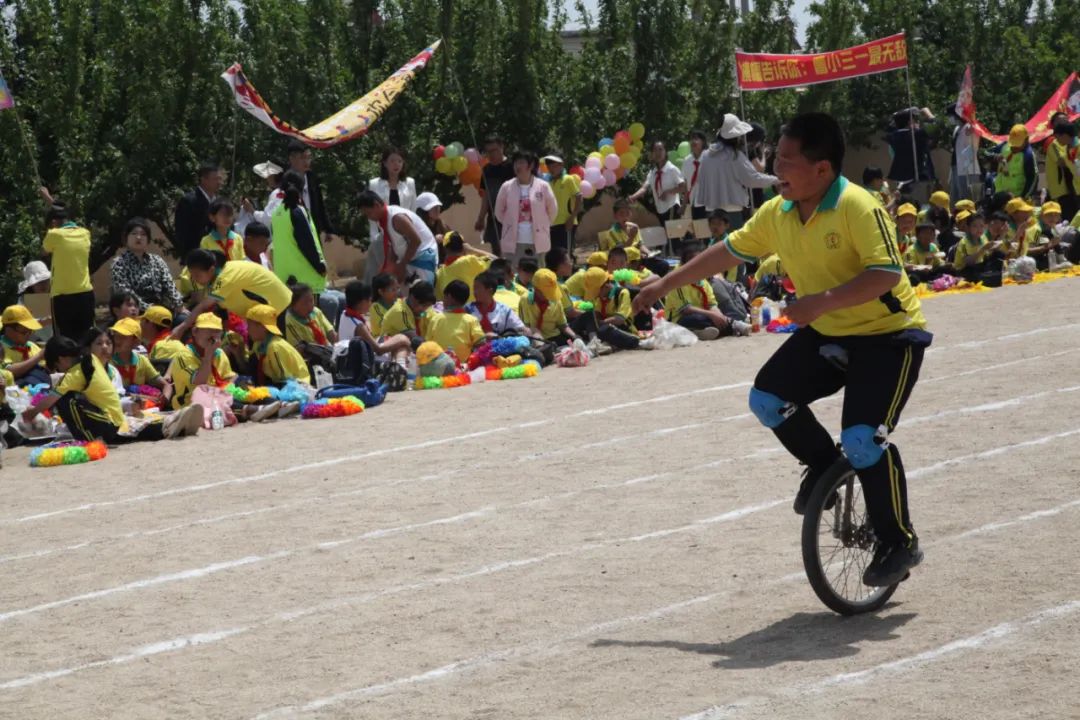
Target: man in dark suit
pixel 300 161
pixel 192 219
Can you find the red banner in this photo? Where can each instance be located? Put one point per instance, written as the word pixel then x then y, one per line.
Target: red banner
pixel 762 71
pixel 1065 99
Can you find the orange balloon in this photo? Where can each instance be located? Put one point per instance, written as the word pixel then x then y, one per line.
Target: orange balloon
pixel 622 144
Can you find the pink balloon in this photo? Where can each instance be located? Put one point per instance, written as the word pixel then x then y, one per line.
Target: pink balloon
pixel 593 176
pixel 609 176
pixel 472 156
pixel 600 183
pixel 592 163
pixel 587 190
pixel 611 162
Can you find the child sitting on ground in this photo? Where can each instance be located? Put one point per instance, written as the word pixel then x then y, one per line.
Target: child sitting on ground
pixel 695 307
pixel 384 289
pixel 558 261
pixel 257 244
pixel 542 310
pixel 610 321
pixel 462 263
pixel 155 329
pixel 412 315
pixel 923 259
pixel 975 254
pixel 622 232
pixel 358 304
pixel 89 404
pixel 719 224
pixel 222 238
pixel 276 361
pixel 496 319
pixel 308 329
pixel 22 358
pixel 134 368
pixel 527 267
pixel 507 292
pixel 456 329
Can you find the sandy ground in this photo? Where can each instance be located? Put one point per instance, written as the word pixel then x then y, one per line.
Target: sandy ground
pixel 610 542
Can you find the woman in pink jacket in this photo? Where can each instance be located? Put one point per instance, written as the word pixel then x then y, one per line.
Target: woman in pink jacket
pixel 525 208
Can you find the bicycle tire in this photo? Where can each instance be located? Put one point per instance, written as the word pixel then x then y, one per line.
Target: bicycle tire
pixel 834 479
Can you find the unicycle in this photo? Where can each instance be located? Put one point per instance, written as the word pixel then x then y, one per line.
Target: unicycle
pixel 838 543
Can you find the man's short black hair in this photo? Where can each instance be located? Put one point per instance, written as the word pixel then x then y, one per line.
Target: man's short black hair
pixel 458 291
pixel 368 199
pixel 357 291
pixel 699 135
pixel 820 138
pixel 528 265
pixel 256 229
pixel 423 293
pixel 297 146
pixel 720 215
pixel 381 282
pixel 555 257
pixel 489 280
pixel 208 167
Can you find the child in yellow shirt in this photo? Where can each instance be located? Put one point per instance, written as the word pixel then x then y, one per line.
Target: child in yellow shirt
pixel 22 358
pixel 385 289
pixel 462 263
pixel 306 323
pixel 558 261
pixel 543 309
pixel 456 329
pixel 622 232
pixel 694 307
pixel 507 293
pixel 222 239
pixel 276 361
pixel 134 368
pixel 610 319
pixel 68 245
pixel 411 316
pixel 155 329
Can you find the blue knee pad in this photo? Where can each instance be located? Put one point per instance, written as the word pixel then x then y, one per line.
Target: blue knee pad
pixel 769 409
pixel 863 445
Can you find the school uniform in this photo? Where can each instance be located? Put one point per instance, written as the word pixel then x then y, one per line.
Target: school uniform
pixel 186 365
pixel 72 294
pixel 314 329
pixel 231 246
pixel 455 330
pixel 277 362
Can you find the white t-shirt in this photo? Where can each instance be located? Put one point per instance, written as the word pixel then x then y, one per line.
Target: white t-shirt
pixel 398 241
pixel 346 327
pixel 670 177
pixel 525 226
pixel 688 175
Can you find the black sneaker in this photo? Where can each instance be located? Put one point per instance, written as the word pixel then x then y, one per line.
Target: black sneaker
pixel 892 563
pixel 806 489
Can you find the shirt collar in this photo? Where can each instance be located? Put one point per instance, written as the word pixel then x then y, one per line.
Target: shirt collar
pixel 829 202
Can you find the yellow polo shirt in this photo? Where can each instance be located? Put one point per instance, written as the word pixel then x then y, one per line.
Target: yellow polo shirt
pixel 298 329
pixel 232 247
pixel 280 361
pixel 397 319
pixel 166 349
pixel 617 237
pixel 965 248
pixel 240 279
pixel 69 247
pixel 848 234
pixel 915 255
pixel 99 391
pixel 616 303
pixel 575 284
pixel 457 331
pixel 375 318
pixel 550 323
pixel 509 298
pixel 185 366
pixel 11 355
pixel 699 295
pixel 465 268
pixel 566 189
pixel 144 369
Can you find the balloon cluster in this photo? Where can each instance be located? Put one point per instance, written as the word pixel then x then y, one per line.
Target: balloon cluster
pixel 528 369
pixel 68 453
pixel 455 160
pixel 333 407
pixel 680 153
pixel 445 381
pixel 612 159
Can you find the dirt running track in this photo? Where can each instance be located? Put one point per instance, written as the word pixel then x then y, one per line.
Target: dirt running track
pixel 611 542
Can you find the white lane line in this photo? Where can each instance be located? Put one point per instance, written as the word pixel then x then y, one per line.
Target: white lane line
pixel 187 489
pixel 919 472
pixel 989 636
pixel 340 603
pixel 1008 337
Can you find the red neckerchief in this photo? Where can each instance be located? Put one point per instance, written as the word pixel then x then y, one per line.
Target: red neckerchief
pixel 316 331
pixel 226 248
pixel 541 302
pixel 358 317
pixel 693 179
pixel 163 335
pixel 659 181
pixel 700 287
pixel 218 380
pixel 23 350
pixel 383 224
pixel 450 259
pixel 485 323
pixel 127 369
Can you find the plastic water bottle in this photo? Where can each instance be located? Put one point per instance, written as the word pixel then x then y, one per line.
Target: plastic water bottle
pixel 217 420
pixel 755 318
pixel 412 370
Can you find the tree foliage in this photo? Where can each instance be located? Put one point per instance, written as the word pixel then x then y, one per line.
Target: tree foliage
pixel 122 99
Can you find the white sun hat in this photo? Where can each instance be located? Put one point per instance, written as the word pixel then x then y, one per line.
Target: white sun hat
pixel 733 127
pixel 428 200
pixel 267 169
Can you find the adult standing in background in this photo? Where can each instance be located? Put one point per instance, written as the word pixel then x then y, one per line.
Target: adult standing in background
pixel 494 175
pixel 142 273
pixel 964 164
pixel 298 253
pixel 312 195
pixel 567 189
pixel 393 187
pixel 1062 173
pixel 1018 171
pixel 911 160
pixel 691 171
pixel 727 175
pixel 68 246
pixel 407 241
pixel 665 182
pixel 191 220
pixel 271 173
pixel 525 208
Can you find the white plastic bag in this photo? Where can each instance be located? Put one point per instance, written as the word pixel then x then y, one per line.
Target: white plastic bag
pixel 670 335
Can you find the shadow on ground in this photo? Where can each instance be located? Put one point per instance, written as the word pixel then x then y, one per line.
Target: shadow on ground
pixel 803 637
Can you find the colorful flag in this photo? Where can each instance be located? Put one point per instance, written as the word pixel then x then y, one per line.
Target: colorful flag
pixel 764 71
pixel 6 100
pixel 1065 99
pixel 346 124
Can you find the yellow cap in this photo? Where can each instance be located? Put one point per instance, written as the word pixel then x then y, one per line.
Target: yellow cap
pixel 208 321
pixel 127 326
pixel 598 260
pixel 545 281
pixel 450 235
pixel 963 215
pixel 1018 205
pixel 632 253
pixel 941 199
pixel 158 315
pixel 262 314
pixel 594 280
pixel 1051 207
pixel 906 209
pixel 968 205
pixel 1018 135
pixel 19 315
pixel 427 352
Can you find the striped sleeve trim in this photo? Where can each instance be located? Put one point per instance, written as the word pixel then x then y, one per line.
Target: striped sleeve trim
pixel 890 242
pixel 736 253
